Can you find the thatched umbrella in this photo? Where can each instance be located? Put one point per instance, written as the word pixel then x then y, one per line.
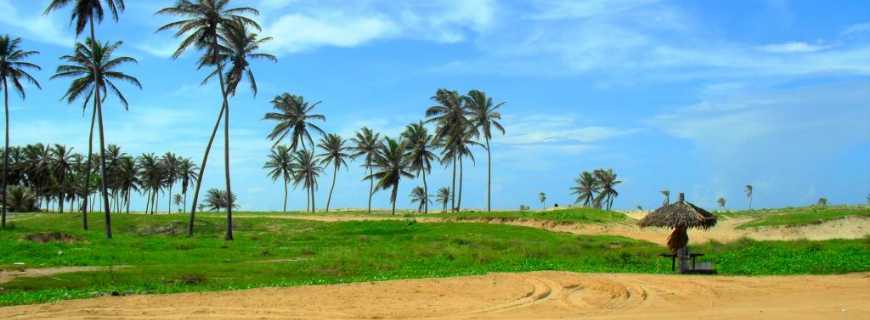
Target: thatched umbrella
pixel 681 216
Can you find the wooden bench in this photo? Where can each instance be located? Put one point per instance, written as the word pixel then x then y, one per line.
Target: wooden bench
pixel 706 268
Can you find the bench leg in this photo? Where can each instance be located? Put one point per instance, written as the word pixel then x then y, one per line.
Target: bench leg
pixel 673 263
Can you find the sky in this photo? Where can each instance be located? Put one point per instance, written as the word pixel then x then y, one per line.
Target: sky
pixel 701 97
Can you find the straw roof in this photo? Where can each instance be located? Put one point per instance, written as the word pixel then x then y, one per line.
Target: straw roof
pixel 680 214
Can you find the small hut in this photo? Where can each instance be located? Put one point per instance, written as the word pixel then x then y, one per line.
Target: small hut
pixel 680 216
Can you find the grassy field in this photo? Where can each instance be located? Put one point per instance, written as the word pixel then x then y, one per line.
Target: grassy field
pixel 566 215
pixel 793 217
pixel 158 258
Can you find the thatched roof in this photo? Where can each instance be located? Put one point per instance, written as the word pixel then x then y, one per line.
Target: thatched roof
pixel 679 214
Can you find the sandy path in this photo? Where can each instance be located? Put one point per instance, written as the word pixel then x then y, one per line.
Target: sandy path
pixel 537 295
pixel 9 275
pixel 725 231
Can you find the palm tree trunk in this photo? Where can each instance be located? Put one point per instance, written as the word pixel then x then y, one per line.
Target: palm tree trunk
pixel 313 203
pixel 229 235
pixel 108 209
pixel 426 192
pixel 371 182
pixel 488 177
pixel 285 194
pixel 453 187
pixel 60 190
pixel 393 197
pixel 459 200
pixel 329 200
pixel 85 204
pixel 127 201
pixel 5 153
pixel 170 199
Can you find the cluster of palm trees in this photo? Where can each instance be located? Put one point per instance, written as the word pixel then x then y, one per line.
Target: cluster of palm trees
pixel 58 178
pixel 460 121
pixel 596 189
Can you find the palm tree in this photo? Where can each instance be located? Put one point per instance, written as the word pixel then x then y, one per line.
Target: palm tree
pixel 13 68
pixel 443 198
pixel 201 26
pixel 170 174
pixel 585 188
pixel 667 194
pixel 748 192
pixel 179 199
pixel 334 152
pixel 419 154
pixel 455 148
pixel 823 202
pixel 216 200
pixel 280 165
pixel 607 181
pixel 151 178
pixel 419 195
pixel 294 118
pixel 366 144
pixel 128 178
pixel 391 166
pixel 62 159
pixel 95 68
pixel 187 173
pixel 721 201
pixel 484 115
pixel 306 171
pixel 542 197
pixel 450 116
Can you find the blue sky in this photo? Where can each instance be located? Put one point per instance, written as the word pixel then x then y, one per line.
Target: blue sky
pixel 701 97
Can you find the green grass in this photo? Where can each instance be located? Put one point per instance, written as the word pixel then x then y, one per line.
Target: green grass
pixel 792 217
pixel 286 252
pixel 570 215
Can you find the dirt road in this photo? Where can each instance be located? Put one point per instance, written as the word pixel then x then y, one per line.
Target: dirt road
pixel 537 295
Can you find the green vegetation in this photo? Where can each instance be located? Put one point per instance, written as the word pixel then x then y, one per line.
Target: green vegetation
pixel 792 217
pixel 571 215
pixel 159 258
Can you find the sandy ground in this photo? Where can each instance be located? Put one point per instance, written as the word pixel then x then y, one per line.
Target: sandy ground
pixel 537 295
pixel 9 275
pixel 725 231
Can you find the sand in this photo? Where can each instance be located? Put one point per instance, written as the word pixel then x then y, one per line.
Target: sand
pixel 536 295
pixel 9 275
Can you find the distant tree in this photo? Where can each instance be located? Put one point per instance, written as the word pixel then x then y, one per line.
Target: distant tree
pixel 585 187
pixel 419 196
pixel 21 199
pixel 667 194
pixel 305 172
pixel 335 154
pixel 294 118
pixel 280 166
pixel 484 115
pixel 868 199
pixel 179 200
pixel 443 197
pixel 61 159
pixel 391 165
pixel 217 200
pixel 542 197
pixel 13 69
pixel 366 144
pixel 419 154
pixel 721 202
pixel 169 162
pixel 187 171
pixel 823 202
pixel 607 181
pixel 748 191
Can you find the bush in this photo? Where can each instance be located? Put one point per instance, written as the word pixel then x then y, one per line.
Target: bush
pixel 21 199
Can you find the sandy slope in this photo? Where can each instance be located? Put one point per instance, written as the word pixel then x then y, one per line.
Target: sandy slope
pixel 725 231
pixel 537 295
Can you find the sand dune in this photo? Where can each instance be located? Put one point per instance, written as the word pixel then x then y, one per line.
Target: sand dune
pixel 537 295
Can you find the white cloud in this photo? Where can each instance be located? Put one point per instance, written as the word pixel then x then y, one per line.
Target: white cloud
pixel 540 130
pixel 792 47
pixel 40 27
pixel 295 32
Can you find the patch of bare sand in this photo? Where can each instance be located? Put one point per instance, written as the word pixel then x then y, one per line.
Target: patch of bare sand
pixel 536 295
pixel 9 275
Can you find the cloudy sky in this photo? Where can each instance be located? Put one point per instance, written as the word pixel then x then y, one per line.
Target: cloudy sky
pixel 701 97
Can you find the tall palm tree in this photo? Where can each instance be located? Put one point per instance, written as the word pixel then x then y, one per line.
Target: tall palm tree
pixel 585 188
pixel 391 165
pixel 128 178
pixel 365 144
pixel 450 116
pixel 305 172
pixel 151 179
pixel 280 165
pixel 721 201
pixel 94 69
pixel 294 117
pixel 443 197
pixel 13 69
pixel 667 194
pixel 419 154
pixel 607 181
pixel 335 153
pixel 62 159
pixel 823 202
pixel 169 161
pixel 484 115
pixel 179 200
pixel 83 13
pixel 542 197
pixel 748 192
pixel 455 148
pixel 187 173
pixel 201 26
pixel 419 196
